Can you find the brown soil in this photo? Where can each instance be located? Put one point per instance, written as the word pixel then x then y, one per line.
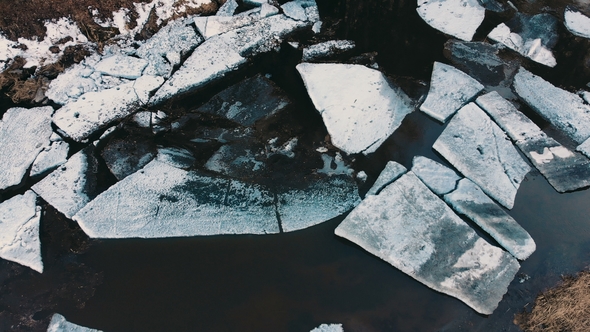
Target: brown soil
pixel 563 308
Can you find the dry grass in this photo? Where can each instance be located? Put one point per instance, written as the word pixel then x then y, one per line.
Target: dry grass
pixel 560 309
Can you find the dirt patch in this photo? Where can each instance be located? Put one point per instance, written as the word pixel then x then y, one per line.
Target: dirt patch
pixel 563 308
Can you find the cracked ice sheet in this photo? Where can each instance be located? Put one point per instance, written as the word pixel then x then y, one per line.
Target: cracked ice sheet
pixel 359 107
pixel 390 173
pixel 564 169
pixel 19 231
pixel 480 150
pixel 96 110
pixel 577 23
pixel 59 323
pixel 566 111
pixel 24 133
pixel 411 228
pixel 458 18
pixel 163 201
pixel 450 89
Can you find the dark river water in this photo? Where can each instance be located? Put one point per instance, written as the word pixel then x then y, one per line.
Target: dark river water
pixel 297 281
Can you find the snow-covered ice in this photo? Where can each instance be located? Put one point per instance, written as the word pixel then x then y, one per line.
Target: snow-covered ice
pixel 228 8
pixel 328 328
pixel 450 89
pixel 294 10
pixel 19 231
pixel 120 65
pixel 458 18
pixel 59 323
pixel 358 105
pixel 326 49
pixel 175 156
pixel 24 133
pixel 439 178
pixel 482 152
pixel 577 23
pixel 210 26
pixel 390 173
pixel 50 157
pixel 411 228
pixel 565 170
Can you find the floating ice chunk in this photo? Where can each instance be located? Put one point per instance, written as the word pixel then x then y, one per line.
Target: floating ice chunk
pixel 359 107
pixel 24 133
pixel 294 10
pixel 50 157
pixel 458 18
pixel 121 66
pixel 164 201
pixel 564 110
pixel 564 169
pixel 96 110
pixel 577 23
pixel 19 231
pixel 531 36
pixel 440 179
pixel 327 49
pixel 267 10
pixel 321 201
pixel 390 173
pixel 450 89
pixel 72 185
pixel 125 157
pixel 411 228
pixel 228 8
pixel 480 150
pixel 328 328
pixel 59 324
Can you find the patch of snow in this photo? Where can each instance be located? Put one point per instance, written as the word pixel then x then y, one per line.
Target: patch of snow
pixel 458 18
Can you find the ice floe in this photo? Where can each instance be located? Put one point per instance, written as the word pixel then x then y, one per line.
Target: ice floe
pixel 411 228
pixel 294 10
pixel 440 179
pixel 450 89
pixel 59 323
pixel 390 173
pixel 24 133
pixel 228 8
pixel 51 156
pixel 480 150
pixel 458 18
pixel 326 49
pixel 210 26
pixel 328 328
pixel 96 110
pixel 359 107
pixel 531 36
pixel 565 170
pixel 577 23
pixel 19 231
pixel 119 65
pixel 564 110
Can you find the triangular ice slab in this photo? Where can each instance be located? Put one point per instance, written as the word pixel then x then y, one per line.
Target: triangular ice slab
pixel 458 18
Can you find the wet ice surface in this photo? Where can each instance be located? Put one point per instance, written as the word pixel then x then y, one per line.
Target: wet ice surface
pixel 390 173
pixel 60 324
pixel 458 18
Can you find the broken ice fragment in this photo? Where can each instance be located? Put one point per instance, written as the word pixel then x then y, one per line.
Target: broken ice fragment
pixel 480 150
pixel 164 201
pixel 564 110
pixel 531 36
pixel 60 324
pixel 440 179
pixel 320 201
pixel 358 105
pixel 96 110
pixel 564 169
pixel 121 66
pixel 450 89
pixel 294 10
pixel 390 173
pixel 24 133
pixel 326 49
pixel 228 8
pixel 51 157
pixel 335 165
pixel 210 26
pixel 458 18
pixel 328 328
pixel 577 23
pixel 72 185
pixel 411 228
pixel 124 157
pixel 19 231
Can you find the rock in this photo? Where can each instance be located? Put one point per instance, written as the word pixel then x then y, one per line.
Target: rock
pixel 577 23
pixel 565 170
pixel 566 111
pixel 450 89
pixel 359 107
pixel 97 110
pixel 50 158
pixel 440 179
pixel 246 102
pixel 390 173
pixel 224 53
pixel 168 46
pixel 124 157
pixel 71 186
pixel 326 49
pixel 531 36
pixel 294 10
pixel 164 201
pixel 328 328
pixel 458 18
pixel 480 150
pixel 411 228
pixel 121 66
pixel 322 200
pixel 24 133
pixel 468 199
pixel 228 8
pixel 59 324
pixel 176 157
pixel 19 231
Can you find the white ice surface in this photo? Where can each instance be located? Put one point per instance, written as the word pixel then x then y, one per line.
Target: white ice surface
pixel 531 48
pixel 328 328
pixel 121 66
pixel 60 324
pixel 390 173
pixel 458 18
pixel 439 178
pixel 577 23
pixel 50 157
